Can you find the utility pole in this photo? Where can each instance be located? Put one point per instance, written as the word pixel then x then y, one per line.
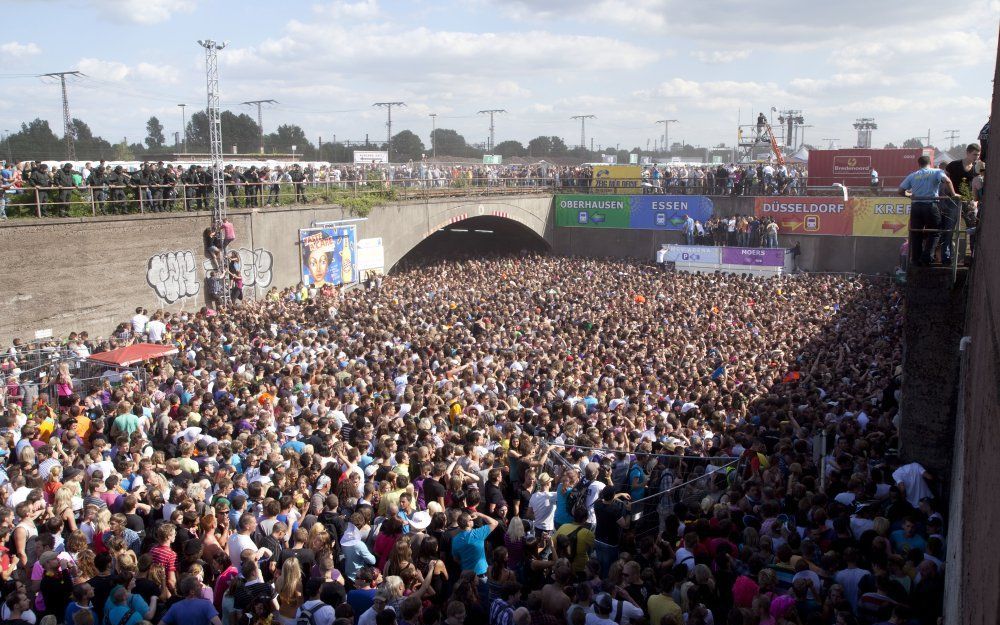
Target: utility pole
pixel 214 125
pixel 68 134
pixel 184 125
pixel 952 135
pixel 666 132
pixel 865 126
pixel 491 113
pixel 260 122
pixel 583 128
pixel 434 147
pixel 388 124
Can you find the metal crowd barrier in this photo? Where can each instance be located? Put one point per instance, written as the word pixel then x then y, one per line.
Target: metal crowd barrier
pixel 955 233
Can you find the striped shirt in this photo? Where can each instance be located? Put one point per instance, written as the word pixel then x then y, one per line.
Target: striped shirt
pixel 164 556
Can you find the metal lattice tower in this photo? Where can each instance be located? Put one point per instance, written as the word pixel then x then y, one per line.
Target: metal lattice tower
pixel 260 119
pixel 491 113
pixel 583 128
pixel 666 132
pixel 214 125
pixel 792 119
pixel 865 126
pixel 68 135
pixel 388 124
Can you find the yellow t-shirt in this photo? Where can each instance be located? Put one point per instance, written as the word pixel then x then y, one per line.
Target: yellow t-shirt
pixel 584 544
pixel 662 605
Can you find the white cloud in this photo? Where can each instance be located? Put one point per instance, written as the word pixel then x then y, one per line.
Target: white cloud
pixel 19 50
pixel 113 71
pixel 361 10
pixel 145 12
pixel 719 57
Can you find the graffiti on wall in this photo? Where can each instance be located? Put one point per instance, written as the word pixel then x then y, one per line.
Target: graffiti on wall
pixel 255 267
pixel 173 275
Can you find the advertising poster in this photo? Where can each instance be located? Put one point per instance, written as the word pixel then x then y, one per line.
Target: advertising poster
pixel 753 256
pixel 328 255
pixel 617 179
pixel 880 216
pixel 807 215
pixel 592 211
pixel 668 212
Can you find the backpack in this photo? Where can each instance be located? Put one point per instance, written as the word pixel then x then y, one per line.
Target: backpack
pixel 306 615
pixel 577 497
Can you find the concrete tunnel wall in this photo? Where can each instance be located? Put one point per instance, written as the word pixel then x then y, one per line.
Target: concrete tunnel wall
pixel 91 273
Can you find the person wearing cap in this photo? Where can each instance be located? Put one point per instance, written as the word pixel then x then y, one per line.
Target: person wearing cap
pixel 543 506
pixel 602 611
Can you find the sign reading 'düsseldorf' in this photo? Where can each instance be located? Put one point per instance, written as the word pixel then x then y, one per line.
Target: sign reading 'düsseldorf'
pixel 637 212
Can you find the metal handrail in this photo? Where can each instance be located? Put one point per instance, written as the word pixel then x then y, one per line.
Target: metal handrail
pixel 955 232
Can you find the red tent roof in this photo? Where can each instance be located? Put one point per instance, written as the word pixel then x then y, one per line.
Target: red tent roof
pixel 139 352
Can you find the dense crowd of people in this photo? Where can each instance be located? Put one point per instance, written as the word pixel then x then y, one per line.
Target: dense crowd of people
pixel 506 440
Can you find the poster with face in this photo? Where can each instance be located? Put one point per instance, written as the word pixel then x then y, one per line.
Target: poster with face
pixel 328 255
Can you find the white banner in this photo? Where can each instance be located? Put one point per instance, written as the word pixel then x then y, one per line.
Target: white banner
pixel 361 156
pixel 371 254
pixel 689 254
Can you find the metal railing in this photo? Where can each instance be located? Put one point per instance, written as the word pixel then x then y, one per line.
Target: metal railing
pixel 954 234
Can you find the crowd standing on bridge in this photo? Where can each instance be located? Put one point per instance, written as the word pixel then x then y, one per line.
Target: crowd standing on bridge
pixel 512 440
pixel 105 188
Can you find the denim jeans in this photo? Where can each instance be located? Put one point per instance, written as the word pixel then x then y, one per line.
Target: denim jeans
pixel 772 239
pixel 922 245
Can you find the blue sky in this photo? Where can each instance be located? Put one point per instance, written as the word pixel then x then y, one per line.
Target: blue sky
pixel 913 65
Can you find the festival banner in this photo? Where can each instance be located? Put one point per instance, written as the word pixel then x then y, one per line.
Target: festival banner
pixel 592 211
pixel 880 216
pixel 617 179
pixel 668 212
pixel 807 215
pixel 328 255
pixel 753 256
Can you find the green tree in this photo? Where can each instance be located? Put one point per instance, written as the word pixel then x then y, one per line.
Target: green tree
pixel 915 142
pixel 508 149
pixel 154 134
pixel 89 146
pixel 287 135
pixel 547 146
pixel 406 146
pixel 123 151
pixel 35 141
pixel 450 143
pixel 890 146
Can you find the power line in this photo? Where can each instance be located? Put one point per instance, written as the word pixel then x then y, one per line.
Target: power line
pixel 583 128
pixel 952 135
pixel 491 113
pixel 68 134
pixel 260 122
pixel 388 124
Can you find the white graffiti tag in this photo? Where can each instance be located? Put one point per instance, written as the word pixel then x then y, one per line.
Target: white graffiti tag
pixel 255 267
pixel 173 275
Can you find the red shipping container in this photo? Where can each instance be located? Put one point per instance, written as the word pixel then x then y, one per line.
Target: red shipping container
pixel 852 167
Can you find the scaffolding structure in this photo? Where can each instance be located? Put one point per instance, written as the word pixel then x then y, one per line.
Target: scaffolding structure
pixel 756 143
pixel 214 126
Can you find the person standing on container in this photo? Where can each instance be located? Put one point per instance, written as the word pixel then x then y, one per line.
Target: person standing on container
pixel 923 186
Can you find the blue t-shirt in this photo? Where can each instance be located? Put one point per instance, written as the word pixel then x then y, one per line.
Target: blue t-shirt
pixel 360 600
pixel 924 182
pixel 467 547
pixel 190 612
pixel 75 607
pixel 113 614
pixel 562 515
pixel 636 473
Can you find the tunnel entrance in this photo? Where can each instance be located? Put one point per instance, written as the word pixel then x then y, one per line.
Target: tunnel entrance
pixel 474 237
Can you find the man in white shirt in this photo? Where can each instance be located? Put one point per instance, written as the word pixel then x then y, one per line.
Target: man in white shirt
pixel 155 328
pixel 543 504
pixel 911 479
pixel 139 321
